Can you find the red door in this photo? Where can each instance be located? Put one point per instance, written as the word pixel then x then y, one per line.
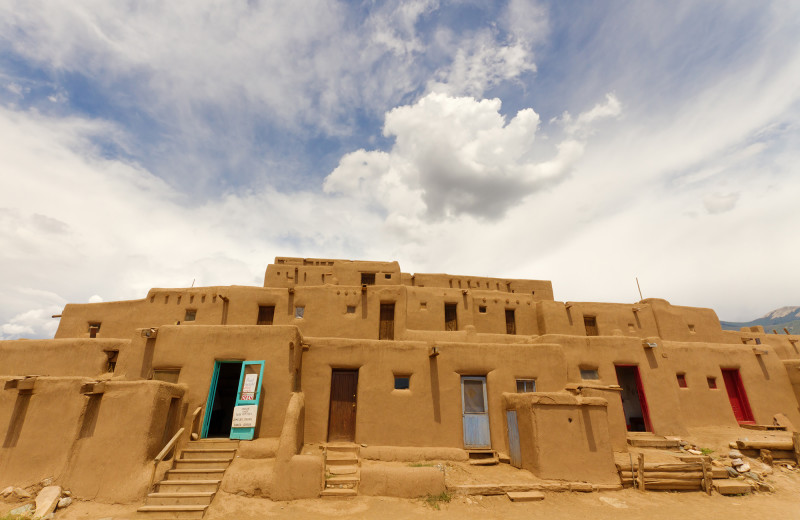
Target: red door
pixel 737 396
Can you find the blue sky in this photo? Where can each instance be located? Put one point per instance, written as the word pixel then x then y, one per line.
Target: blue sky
pixel 155 144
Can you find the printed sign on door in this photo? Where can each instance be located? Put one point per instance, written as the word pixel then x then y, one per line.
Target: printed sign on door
pixel 249 387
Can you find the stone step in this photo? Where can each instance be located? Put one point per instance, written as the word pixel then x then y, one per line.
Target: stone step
pixel 346 448
pixel 202 463
pixel 485 462
pixel 335 458
pixel 175 499
pixel 194 474
pixel 652 441
pixel 348 469
pixel 342 481
pixel 188 486
pixel 338 492
pixel 173 512
pixel 166 512
pixel 208 453
pixel 525 496
pixel 732 487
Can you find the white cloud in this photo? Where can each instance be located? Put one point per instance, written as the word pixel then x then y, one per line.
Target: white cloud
pixel 454 156
pixel 720 203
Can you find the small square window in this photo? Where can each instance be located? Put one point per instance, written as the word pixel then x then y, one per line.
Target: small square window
pixel 482 309
pixel 758 341
pixel 94 328
pixel 388 276
pixel 682 380
pixel 299 311
pixel 402 382
pixel 190 315
pixel 691 329
pixel 423 305
pixel 367 278
pixel 712 382
pixel 526 385
pixel 590 324
pixel 351 309
pixel 589 374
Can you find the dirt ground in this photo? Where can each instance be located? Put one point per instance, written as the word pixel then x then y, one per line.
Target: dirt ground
pixel 618 505
pixel 783 503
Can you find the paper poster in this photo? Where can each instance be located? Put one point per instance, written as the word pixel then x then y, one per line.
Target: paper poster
pixel 249 386
pixel 245 416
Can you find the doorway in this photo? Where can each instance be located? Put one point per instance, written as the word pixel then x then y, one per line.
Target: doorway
pixel 222 399
pixel 342 411
pixel 634 402
pixel 737 396
pixel 475 412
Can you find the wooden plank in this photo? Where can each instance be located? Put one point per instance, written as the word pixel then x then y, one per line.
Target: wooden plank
pixel 707 476
pixel 765 445
pixel 662 474
pixel 796 446
pixel 640 477
pixel 666 466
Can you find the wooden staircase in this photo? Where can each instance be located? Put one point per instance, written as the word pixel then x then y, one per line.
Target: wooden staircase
pixel 342 470
pixel 189 487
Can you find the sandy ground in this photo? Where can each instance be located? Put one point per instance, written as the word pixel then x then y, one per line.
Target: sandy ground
pixel 783 503
pixel 619 505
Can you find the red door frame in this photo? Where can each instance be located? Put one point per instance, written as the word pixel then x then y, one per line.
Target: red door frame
pixel 734 382
pixel 642 398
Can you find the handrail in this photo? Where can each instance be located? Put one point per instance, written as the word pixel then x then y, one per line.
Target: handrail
pixel 195 421
pixel 163 454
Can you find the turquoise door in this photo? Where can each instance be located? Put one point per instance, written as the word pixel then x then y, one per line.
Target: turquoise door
pixel 248 397
pixel 475 411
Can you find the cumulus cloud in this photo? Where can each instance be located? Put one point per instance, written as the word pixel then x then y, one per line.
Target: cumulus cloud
pixel 456 156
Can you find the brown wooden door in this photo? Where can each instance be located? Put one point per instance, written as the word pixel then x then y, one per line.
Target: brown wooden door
pixel 342 420
pixel 386 330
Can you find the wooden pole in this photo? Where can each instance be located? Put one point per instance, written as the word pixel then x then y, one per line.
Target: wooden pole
pixel 707 476
pixel 796 445
pixel 640 477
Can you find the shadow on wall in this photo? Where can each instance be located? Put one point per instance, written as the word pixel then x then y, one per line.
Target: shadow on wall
pixel 17 419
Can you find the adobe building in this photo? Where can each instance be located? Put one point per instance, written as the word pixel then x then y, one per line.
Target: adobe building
pixel 335 359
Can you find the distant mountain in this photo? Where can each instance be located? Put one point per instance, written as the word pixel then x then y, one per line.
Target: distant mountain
pixel 785 317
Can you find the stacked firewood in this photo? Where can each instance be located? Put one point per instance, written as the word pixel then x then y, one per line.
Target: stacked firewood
pixel 667 476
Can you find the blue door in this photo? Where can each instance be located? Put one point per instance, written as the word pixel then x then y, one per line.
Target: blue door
pixel 515 453
pixel 475 411
pixel 248 397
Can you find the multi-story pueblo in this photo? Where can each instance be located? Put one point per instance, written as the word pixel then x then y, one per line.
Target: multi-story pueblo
pixel 320 382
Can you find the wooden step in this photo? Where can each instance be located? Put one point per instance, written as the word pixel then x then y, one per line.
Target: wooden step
pixel 202 463
pixel 188 486
pixel 652 441
pixel 195 474
pixel 208 453
pixel 173 512
pixel 213 443
pixel 338 492
pixel 186 498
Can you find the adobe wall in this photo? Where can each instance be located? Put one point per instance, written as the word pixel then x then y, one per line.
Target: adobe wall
pixel 764 377
pixel 429 413
pixel 290 272
pixel 100 451
pixel 564 437
pixel 195 349
pixel 58 357
pixel 603 353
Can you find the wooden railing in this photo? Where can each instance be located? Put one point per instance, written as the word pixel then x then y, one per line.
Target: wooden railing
pixel 193 429
pixel 163 454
